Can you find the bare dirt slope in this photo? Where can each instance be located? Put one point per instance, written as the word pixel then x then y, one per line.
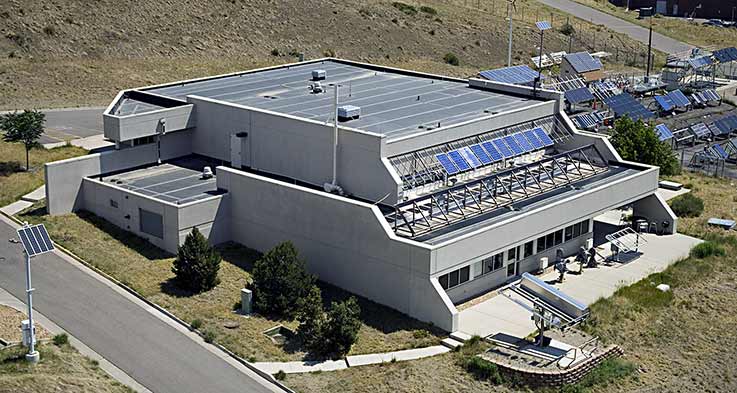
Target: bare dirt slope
pixel 61 52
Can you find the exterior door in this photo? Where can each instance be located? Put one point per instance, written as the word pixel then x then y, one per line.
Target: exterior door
pixel 236 161
pixel 660 7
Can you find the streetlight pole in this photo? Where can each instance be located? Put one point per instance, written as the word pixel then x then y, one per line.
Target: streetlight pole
pixel 649 49
pixel 32 355
pixel 510 4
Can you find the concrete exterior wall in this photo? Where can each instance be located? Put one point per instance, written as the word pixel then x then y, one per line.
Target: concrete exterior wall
pixel 294 148
pixel 656 209
pixel 64 178
pixel 345 242
pixel 124 128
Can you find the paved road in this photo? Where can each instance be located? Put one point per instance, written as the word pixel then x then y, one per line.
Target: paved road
pixel 72 123
pixel 639 33
pixel 153 353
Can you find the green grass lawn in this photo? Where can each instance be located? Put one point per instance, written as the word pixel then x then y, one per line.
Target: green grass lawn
pixel 147 269
pixel 14 180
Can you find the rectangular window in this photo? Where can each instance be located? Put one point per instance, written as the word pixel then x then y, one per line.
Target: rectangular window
pixel 569 233
pixel 498 261
pixel 528 249
pixel 541 244
pixel 114 203
pixel 493 263
pixel 151 223
pixel 478 269
pixel 550 240
pixel 584 227
pixel 443 281
pixel 577 229
pixel 453 279
pixel 510 270
pixel 558 237
pixel 465 273
pixel 512 254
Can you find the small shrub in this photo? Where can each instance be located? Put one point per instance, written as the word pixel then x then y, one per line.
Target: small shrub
pixel 49 30
pixel 311 318
pixel 329 53
pixel 567 29
pixel 420 334
pixel 687 205
pixel 451 59
pixel 252 359
pixel 484 370
pixel 280 375
pixel 209 336
pixel 707 249
pixel 405 8
pixel 61 339
pixel 196 324
pixel 275 52
pixel 428 10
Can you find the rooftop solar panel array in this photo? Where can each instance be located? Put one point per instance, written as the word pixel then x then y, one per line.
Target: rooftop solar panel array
pixel 700 130
pixel 725 55
pixel 584 120
pixel 516 75
pixel 582 62
pixel 626 105
pixel 579 95
pixel 663 132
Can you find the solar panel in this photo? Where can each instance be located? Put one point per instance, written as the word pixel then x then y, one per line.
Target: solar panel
pixel 663 132
pixel 471 158
pixel 665 102
pixel 523 142
pixel 513 145
pixel 585 120
pixel 697 98
pixel 582 62
pixel 481 154
pixel 699 62
pixel 723 126
pixel 720 151
pixel 534 140
pixel 35 240
pixel 448 165
pixel 711 95
pixel 700 130
pixel 714 130
pixel 502 148
pixel 723 55
pixel 625 105
pixel 458 160
pixel 543 25
pixel 678 98
pixel 516 75
pixel 582 94
pixel 493 152
pixel 544 138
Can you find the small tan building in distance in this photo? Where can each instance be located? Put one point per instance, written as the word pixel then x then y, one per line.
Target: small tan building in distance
pixel 582 64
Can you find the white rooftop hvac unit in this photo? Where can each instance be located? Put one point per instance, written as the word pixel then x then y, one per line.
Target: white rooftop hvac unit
pixel 319 75
pixel 348 112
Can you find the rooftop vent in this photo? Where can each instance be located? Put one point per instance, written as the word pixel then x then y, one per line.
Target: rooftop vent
pixel 207 173
pixel 318 75
pixel 316 88
pixel 348 112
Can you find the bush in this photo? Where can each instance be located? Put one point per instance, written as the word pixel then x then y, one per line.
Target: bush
pixel 342 326
pixel 484 370
pixel 275 52
pixel 637 141
pixel 406 8
pixel 197 264
pixel 687 205
pixel 567 29
pixel 428 10
pixel 209 336
pixel 707 249
pixel 279 278
pixel 311 318
pixel 451 59
pixel 61 339
pixel 196 324
pixel 280 375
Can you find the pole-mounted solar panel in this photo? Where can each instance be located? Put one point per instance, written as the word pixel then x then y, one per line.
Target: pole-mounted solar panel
pixel 543 25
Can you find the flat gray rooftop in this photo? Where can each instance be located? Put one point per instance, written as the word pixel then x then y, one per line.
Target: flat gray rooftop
pixel 392 103
pixel 179 181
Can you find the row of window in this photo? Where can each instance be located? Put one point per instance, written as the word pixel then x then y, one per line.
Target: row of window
pixel 514 254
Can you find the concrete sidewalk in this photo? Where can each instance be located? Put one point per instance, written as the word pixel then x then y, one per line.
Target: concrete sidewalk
pixel 500 315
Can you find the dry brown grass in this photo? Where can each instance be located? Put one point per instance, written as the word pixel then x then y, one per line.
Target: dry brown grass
pixel 61 369
pixel 10 320
pixel 147 269
pixel 14 180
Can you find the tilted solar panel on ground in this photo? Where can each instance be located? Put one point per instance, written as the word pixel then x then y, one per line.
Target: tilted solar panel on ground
pixel 732 122
pixel 516 148
pixel 699 62
pixel 502 148
pixel 723 126
pixel 469 156
pixel 447 164
pixel 722 55
pixel 523 142
pixel 665 102
pixel 714 130
pixel 732 53
pixel 458 160
pixel 711 94
pixel 698 98
pixel 534 140
pixel 626 105
pixel 700 130
pixel 582 62
pixel 544 138
pixel 679 98
pixel 493 152
pixel 663 132
pixel 576 96
pixel 720 151
pixel 481 154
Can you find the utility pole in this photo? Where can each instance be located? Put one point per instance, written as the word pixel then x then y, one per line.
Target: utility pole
pixel 510 5
pixel 649 48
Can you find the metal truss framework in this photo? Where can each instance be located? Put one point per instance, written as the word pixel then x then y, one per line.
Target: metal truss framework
pixel 430 212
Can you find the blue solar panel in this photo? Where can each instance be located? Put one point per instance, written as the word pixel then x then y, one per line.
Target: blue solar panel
pixel 626 105
pixel 700 129
pixel 471 158
pixel 449 167
pixel 534 140
pixel 481 154
pixel 493 152
pixel 663 132
pixel 543 25
pixel 582 62
pixel 516 149
pixel 35 240
pixel 678 98
pixel 720 150
pixel 665 103
pixel 523 142
pixel 544 138
pixel 723 55
pixel 723 126
pixel 582 94
pixel 699 62
pixel 458 160
pixel 516 75
pixel 502 148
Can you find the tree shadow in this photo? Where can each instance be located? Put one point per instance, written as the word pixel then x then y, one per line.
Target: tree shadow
pixel 171 287
pixel 8 168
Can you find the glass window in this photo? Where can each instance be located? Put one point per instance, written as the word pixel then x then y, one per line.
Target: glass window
pixel 577 229
pixel 528 249
pixel 512 254
pixel 498 261
pixel 453 279
pixel 569 233
pixel 443 281
pixel 510 270
pixel 541 244
pixel 478 269
pixel 465 273
pixel 558 237
pixel 584 226
pixel 550 240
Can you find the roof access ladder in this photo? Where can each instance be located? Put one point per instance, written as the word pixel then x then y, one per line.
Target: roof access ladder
pixel 626 240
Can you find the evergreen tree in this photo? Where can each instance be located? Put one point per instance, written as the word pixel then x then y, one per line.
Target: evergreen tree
pixel 342 326
pixel 280 279
pixel 197 264
pixel 311 318
pixel 637 141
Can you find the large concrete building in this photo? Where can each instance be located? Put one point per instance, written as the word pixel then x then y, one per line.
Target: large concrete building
pixel 427 191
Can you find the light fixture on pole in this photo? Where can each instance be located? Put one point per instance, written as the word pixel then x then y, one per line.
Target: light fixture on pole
pixel 542 26
pixel 511 4
pixel 36 241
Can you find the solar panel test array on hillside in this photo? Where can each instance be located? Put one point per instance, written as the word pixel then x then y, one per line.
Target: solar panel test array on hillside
pixel 626 105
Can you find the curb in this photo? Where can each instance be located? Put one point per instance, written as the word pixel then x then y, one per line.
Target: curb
pixel 166 312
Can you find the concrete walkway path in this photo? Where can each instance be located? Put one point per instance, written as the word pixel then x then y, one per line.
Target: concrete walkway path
pixel 500 315
pixel 636 32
